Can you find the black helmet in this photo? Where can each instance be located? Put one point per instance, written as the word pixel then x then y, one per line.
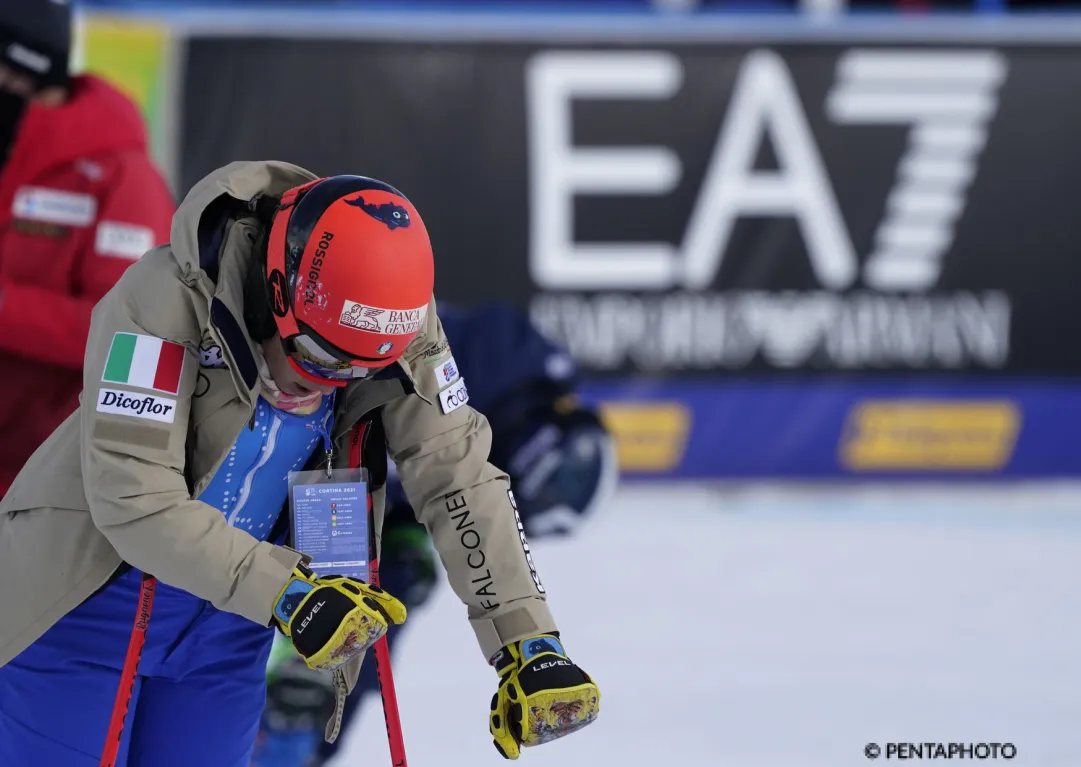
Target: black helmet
pixel 35 39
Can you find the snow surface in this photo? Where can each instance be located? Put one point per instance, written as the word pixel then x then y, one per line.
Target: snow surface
pixel 766 627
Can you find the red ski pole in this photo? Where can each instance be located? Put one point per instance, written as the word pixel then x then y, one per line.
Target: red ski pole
pixel 381 650
pixel 126 688
pixel 386 687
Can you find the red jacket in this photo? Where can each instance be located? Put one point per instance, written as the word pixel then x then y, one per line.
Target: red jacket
pixel 80 200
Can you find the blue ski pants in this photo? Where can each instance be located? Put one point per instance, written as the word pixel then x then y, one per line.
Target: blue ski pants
pixel 197 700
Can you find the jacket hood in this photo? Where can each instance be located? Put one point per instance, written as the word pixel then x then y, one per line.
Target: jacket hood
pixel 97 119
pixel 240 181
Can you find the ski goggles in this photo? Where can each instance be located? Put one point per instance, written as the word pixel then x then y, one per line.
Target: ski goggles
pixel 313 363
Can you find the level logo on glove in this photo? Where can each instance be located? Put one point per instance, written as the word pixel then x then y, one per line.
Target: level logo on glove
pixel 333 619
pixel 542 695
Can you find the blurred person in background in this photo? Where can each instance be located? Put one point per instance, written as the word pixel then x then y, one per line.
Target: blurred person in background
pixel 562 465
pixel 79 201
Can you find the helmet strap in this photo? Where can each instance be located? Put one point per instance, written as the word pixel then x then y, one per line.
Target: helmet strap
pixel 258 318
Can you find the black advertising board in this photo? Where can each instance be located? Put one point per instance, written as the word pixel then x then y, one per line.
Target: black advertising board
pixel 699 207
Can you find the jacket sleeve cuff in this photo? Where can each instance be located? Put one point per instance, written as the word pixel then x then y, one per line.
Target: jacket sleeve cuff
pixel 259 589
pixel 517 620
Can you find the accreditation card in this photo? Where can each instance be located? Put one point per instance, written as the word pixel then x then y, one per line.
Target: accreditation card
pixel 330 520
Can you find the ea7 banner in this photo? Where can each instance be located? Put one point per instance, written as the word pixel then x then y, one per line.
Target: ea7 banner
pixel 697 208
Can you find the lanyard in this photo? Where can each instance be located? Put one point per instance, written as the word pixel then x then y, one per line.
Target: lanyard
pixel 328 443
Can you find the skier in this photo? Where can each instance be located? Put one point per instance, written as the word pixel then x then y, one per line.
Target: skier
pixel 560 459
pixel 150 526
pixel 79 201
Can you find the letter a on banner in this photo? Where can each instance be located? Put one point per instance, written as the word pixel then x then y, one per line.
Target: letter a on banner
pixel 765 101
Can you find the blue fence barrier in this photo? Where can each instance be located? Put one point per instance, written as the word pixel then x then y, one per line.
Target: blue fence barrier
pixel 821 428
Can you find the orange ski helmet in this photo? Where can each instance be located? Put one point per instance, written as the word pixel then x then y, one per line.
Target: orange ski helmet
pixel 349 274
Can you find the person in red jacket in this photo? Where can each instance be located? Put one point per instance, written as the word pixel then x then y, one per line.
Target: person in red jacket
pixel 80 200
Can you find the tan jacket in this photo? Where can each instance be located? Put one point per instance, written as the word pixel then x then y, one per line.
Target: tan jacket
pixel 108 488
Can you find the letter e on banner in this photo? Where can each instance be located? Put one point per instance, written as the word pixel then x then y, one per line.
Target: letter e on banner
pixel 558 171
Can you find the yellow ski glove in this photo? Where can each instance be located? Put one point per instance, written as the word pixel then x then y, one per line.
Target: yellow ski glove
pixel 542 695
pixel 333 618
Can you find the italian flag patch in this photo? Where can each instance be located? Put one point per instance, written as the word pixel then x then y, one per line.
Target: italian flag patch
pixel 144 362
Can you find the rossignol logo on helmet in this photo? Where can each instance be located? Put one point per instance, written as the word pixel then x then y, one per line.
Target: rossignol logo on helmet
pixel 312 294
pixel 394 216
pixel 117 402
pixel 279 293
pixel 387 322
